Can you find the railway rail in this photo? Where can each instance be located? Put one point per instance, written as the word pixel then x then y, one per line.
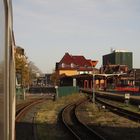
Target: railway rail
pixel 120 111
pixel 134 100
pixel 79 130
pixel 114 108
pixel 21 109
pixel 26 131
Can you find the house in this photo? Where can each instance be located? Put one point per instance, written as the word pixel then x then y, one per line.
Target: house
pixel 74 65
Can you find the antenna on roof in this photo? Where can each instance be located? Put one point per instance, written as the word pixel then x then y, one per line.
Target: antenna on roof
pixel 111 50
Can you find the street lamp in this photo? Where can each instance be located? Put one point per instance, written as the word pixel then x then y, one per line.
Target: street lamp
pixel 93 90
pixel 56 87
pixel 134 77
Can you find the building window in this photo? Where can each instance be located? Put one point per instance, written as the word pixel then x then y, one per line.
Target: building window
pixel 72 65
pixel 63 65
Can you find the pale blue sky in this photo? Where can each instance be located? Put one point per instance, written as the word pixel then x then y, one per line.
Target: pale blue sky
pixel 49 28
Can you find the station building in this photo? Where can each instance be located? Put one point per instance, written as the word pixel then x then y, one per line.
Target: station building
pixel 121 62
pixel 76 70
pixel 117 72
pixel 71 65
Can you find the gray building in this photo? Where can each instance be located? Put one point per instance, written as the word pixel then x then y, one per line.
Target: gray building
pixel 119 57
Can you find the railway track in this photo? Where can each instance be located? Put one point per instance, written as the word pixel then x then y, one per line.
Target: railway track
pixel 114 108
pixel 118 110
pixel 23 108
pixel 134 100
pixel 79 130
pixel 26 130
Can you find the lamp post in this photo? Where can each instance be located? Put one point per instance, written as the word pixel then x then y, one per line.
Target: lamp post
pixel 56 87
pixel 93 90
pixel 19 82
pixel 134 77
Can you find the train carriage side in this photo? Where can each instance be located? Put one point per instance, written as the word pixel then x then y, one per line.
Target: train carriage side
pixel 7 73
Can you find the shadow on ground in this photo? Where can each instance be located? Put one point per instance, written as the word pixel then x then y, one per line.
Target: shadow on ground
pixel 25 131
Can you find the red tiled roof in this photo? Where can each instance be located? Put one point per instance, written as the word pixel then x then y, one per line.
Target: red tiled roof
pixel 67 59
pixel 94 63
pixel 81 61
pixel 78 69
pixel 77 60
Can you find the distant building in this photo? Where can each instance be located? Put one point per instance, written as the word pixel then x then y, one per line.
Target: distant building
pixel 119 57
pixel 114 69
pixel 134 76
pixel 75 64
pixel 48 80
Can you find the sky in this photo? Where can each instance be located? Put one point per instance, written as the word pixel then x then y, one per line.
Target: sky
pixel 47 29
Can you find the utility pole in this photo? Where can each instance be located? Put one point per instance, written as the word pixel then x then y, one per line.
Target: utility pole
pixel 93 90
pixel 134 77
pixel 93 81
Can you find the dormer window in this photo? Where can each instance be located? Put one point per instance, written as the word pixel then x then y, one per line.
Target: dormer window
pixel 72 65
pixel 63 65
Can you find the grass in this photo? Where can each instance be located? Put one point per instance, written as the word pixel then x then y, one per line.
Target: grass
pixel 47 118
pixel 112 125
pixel 109 124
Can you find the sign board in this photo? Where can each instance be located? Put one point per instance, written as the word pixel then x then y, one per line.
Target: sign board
pixel 127 96
pixel 74 82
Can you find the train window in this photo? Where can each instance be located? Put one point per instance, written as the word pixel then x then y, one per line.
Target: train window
pixel 2 62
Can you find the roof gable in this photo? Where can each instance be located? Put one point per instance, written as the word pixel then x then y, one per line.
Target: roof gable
pixel 80 60
pixel 67 59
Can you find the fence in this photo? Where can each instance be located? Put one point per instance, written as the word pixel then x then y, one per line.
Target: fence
pixel 67 90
